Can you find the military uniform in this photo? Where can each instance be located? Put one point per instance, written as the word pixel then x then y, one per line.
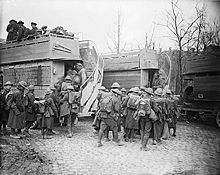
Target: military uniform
pixel 4 110
pixel 16 102
pixel 161 113
pixel 131 124
pixel 71 99
pixel 30 111
pixel 21 31
pixel 109 119
pixel 12 30
pixel 50 113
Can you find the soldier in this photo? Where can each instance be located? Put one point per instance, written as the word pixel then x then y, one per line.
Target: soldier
pixel 44 30
pixel 123 109
pixel 102 94
pixel 109 114
pixel 145 110
pixel 161 113
pixel 4 109
pixel 50 112
pixel 21 30
pixel 12 30
pixel 81 72
pixel 74 103
pixel 67 82
pixel 16 103
pixel 131 124
pixel 30 110
pixel 173 113
pixel 32 32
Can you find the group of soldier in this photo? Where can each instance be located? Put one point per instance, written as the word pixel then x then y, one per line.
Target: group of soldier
pixel 138 111
pixel 18 31
pixel 19 109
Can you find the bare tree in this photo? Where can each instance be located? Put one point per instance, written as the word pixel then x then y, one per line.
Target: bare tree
pixel 115 39
pixel 183 33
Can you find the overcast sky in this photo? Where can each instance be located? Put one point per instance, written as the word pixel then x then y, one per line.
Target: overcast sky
pixel 95 19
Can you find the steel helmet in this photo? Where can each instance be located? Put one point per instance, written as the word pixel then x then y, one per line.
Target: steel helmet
pixel 168 92
pixel 48 91
pixel 52 88
pixel 149 91
pixel 22 84
pixel 116 91
pixel 8 83
pixel 135 89
pixel 123 90
pixel 70 87
pixel 31 87
pixel 68 78
pixel 102 88
pixel 159 91
pixel 115 85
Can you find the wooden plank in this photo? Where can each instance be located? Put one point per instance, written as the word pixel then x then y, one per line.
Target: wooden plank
pixel 126 79
pixel 121 63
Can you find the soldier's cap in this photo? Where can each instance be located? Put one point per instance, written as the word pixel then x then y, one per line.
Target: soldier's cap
pixel 142 88
pixel 115 85
pixel 33 23
pixel 135 90
pixel 70 87
pixel 68 78
pixel 123 90
pixel 102 88
pixel 31 87
pixel 12 20
pixel 116 91
pixel 158 91
pixel 168 91
pixel 43 27
pixel 20 22
pixel 149 91
pixel 8 83
pixel 23 84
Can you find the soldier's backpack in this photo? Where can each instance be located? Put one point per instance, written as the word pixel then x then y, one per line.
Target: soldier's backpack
pixel 106 104
pixel 132 101
pixel 144 107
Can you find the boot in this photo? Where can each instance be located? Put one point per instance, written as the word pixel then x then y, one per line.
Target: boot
pixel 69 126
pixel 144 144
pixel 14 135
pixel 142 136
pixel 25 132
pixel 100 139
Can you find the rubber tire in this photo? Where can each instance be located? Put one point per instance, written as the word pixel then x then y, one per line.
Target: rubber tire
pixel 218 119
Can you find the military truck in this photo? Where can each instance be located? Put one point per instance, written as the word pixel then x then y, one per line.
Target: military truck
pixel 202 92
pixel 44 60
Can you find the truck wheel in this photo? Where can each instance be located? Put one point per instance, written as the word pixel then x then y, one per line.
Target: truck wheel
pixel 218 119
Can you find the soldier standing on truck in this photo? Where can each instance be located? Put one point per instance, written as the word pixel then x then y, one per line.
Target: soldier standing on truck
pixel 30 110
pixel 108 116
pixel 12 30
pixel 21 30
pixel 4 110
pixel 16 103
